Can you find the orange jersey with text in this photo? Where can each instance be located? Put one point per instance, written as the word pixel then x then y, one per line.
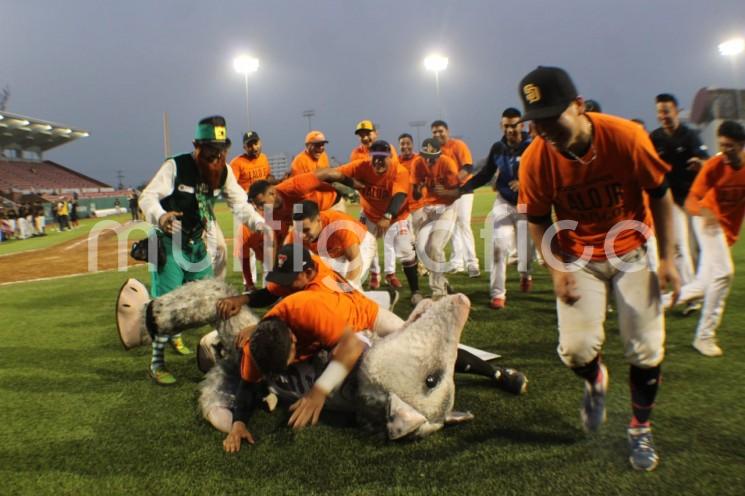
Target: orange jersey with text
pixel 408 164
pixel 362 153
pixel 444 172
pixel 303 163
pixel 247 171
pixel 339 231
pixel 379 188
pixel 721 188
pixel 460 153
pixel 598 195
pixel 296 189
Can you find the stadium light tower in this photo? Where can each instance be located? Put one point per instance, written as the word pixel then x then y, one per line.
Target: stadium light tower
pixel 245 64
pixel 436 63
pixel 732 49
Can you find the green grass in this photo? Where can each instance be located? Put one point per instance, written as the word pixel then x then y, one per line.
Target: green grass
pixel 79 415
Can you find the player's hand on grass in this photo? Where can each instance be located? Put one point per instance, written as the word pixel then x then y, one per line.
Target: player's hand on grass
pixel 169 222
pixel 229 307
pixel 565 286
pixel 307 409
pixel 239 432
pixel 669 278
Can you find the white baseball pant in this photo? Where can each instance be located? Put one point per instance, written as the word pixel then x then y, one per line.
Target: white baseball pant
pixel 464 246
pixel 434 234
pixel 503 217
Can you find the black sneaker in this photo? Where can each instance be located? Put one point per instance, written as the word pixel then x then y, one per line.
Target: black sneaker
pixel 511 380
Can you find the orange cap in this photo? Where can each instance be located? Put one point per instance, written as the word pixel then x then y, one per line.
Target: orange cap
pixel 315 137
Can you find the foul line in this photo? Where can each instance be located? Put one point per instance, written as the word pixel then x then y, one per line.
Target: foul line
pixel 52 278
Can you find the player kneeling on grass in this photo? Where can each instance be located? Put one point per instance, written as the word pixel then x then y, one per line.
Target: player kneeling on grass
pixel 717 203
pixel 592 170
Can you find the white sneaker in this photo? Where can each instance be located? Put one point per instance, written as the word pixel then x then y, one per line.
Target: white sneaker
pixel 708 347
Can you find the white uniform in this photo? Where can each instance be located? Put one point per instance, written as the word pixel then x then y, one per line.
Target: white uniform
pixel 504 218
pixel 435 228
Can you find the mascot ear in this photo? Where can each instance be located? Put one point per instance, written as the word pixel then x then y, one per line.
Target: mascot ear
pixel 403 419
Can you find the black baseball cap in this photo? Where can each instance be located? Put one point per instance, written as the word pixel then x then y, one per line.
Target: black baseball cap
pixel 430 148
pixel 250 137
pixel 546 92
pixel 380 148
pixel 292 259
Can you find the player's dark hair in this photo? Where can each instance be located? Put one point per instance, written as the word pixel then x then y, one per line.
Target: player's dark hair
pixel 438 123
pixel 732 130
pixel 406 135
pixel 309 210
pixel 592 106
pixel 666 97
pixel 258 188
pixel 511 113
pixel 270 345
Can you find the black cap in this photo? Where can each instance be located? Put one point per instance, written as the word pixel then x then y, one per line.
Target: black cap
pixel 250 137
pixel 380 147
pixel 288 267
pixel 546 92
pixel 430 148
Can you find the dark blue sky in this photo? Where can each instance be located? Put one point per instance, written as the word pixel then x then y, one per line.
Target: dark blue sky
pixel 113 68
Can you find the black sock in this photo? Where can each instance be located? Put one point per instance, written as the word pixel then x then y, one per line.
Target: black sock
pixel 412 277
pixel 590 371
pixel 470 363
pixel 644 384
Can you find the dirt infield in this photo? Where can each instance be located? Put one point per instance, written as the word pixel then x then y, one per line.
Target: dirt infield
pixel 70 258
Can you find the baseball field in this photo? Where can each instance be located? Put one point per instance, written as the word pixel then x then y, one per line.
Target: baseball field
pixel 80 415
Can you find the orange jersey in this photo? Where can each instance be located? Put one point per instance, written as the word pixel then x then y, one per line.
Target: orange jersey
pixel 408 164
pixel 458 151
pixel 443 172
pixel 608 189
pixel 344 231
pixel 296 189
pixel 379 188
pixel 247 171
pixel 303 162
pixel 721 188
pixel 318 321
pixel 362 153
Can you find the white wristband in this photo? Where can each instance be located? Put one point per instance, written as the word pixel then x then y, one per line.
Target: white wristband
pixel 332 377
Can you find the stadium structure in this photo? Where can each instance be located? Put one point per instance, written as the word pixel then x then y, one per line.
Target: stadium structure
pixel 712 106
pixel 25 177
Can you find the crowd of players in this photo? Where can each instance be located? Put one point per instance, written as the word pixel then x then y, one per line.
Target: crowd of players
pixel 27 220
pixel 574 164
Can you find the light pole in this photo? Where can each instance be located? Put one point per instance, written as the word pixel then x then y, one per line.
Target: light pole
pixel 308 114
pixel 244 64
pixel 436 63
pixel 418 125
pixel 732 49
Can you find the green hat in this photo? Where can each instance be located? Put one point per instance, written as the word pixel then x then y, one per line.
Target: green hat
pixel 212 131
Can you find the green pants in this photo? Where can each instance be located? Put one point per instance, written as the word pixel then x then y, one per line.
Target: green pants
pixel 190 263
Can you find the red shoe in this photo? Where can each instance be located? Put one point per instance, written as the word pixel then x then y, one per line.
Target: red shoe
pixel 392 281
pixel 498 303
pixel 526 283
pixel 375 280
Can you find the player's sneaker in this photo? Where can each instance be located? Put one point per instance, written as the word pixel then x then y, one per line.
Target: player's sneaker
pixel 511 380
pixel 457 270
pixel 708 347
pixel 691 307
pixel 178 344
pixel 374 280
pixel 526 283
pixel 593 404
pixel 393 281
pixel 416 297
pixel 161 376
pixel 498 303
pixel 643 455
pixel 473 272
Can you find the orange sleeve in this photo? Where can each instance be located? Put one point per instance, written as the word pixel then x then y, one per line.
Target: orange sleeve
pixel 249 371
pixel 299 186
pixel 402 183
pixel 705 180
pixel 651 169
pixel 535 183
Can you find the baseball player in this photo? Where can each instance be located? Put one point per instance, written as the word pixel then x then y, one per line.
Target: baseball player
pixel 435 173
pixel 384 185
pixel 313 157
pixel 716 201
pixel 464 246
pixel 179 201
pixel 592 170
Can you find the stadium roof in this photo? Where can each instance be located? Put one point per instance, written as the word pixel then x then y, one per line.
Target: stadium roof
pixel 18 132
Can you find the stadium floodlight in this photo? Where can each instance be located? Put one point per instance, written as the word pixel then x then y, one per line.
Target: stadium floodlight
pixel 1 117
pixel 245 64
pixel 436 63
pixel 733 47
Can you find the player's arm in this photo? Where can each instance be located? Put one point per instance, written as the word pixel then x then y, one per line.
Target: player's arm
pixel 247 398
pixel 661 206
pixel 565 285
pixel 237 200
pixel 230 306
pixel 345 355
pixel 485 174
pixel 158 188
pixel 352 254
pixel 330 175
